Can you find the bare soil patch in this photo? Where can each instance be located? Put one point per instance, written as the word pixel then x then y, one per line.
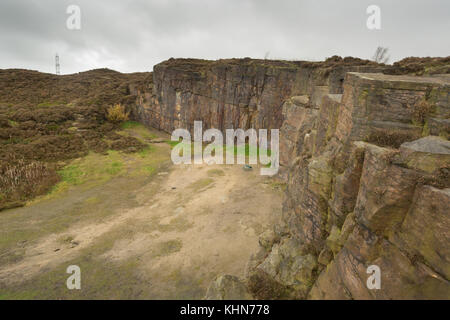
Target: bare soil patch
pixel 161 234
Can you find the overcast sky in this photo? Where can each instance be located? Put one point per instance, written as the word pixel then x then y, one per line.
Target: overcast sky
pixel 134 35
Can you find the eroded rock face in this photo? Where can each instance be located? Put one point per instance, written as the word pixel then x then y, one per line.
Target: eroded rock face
pixel 299 117
pixel 236 93
pixel 425 231
pixel 426 154
pixel 372 188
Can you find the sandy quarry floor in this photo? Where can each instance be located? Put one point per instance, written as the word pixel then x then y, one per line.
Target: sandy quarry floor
pixel 163 237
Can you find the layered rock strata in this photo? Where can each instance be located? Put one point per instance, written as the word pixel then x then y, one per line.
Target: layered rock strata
pixel 235 93
pixel 367 184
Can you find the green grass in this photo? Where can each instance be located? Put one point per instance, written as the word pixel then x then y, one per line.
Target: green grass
pixel 215 173
pixel 149 169
pixel 50 104
pixel 146 151
pixel 137 130
pixel 92 170
pixel 71 174
pixel 114 168
pixel 130 125
pixel 172 143
pixel 13 123
pixel 246 151
pixel 167 248
pixel 236 150
pixel 93 167
pixel 200 184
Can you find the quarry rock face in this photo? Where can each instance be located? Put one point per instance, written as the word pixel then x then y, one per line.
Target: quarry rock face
pixel 368 186
pixel 236 93
pixel 365 157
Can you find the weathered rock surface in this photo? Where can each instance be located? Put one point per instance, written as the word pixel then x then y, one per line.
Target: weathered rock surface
pixel 366 186
pixel 236 93
pixel 427 154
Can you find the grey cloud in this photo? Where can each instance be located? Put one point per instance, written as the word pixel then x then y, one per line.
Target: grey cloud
pixel 133 35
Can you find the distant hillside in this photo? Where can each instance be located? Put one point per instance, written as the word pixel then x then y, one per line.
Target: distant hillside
pixel 46 119
pixel 97 87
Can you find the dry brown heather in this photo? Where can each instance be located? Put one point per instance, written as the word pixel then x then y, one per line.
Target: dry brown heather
pixel 364 152
pixel 46 118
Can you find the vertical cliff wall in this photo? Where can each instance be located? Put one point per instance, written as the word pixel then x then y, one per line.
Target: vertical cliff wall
pixel 235 93
pixel 367 184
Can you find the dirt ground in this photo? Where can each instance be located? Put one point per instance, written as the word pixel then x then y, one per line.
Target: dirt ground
pixel 137 236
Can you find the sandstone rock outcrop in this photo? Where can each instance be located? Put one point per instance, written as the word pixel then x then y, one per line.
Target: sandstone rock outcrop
pixel 366 185
pixel 236 93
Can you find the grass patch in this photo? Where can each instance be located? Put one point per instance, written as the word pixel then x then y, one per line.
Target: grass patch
pixel 13 123
pixel 215 173
pixel 241 150
pixel 149 169
pixel 114 168
pixel 168 247
pixel 93 169
pixel 172 143
pixel 92 200
pixel 71 174
pixel 46 104
pixel 130 125
pixel 146 151
pixel 137 130
pixel 200 184
pixel 246 151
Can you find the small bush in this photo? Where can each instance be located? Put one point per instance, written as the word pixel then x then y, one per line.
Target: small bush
pixel 421 110
pixel 117 113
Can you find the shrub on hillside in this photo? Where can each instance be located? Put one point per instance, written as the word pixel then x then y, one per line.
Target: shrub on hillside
pixel 117 113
